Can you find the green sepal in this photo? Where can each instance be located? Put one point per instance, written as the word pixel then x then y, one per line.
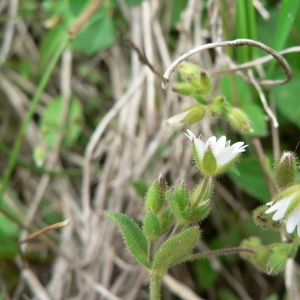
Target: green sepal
pixel 264 220
pixel 205 84
pixel 260 257
pixel 198 214
pixel 182 195
pixel 209 163
pixel 198 160
pixel 134 237
pixel 155 197
pixel 152 227
pixel 285 170
pixel 185 89
pixel 280 252
pixel 173 204
pixel 238 119
pixel 188 70
pixel 175 250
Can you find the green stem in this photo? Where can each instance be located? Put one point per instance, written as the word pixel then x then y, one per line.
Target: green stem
pixel 204 186
pixel 225 251
pixel 155 285
pixel 28 118
pixel 150 251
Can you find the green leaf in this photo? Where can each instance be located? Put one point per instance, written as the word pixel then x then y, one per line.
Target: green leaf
pixel 251 179
pixel 174 250
pixel 235 90
pixel 134 237
pixel 288 11
pixel 256 116
pixel 287 99
pixel 50 122
pixel 98 34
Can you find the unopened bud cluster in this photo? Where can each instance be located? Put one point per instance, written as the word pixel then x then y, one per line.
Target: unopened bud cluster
pixel 179 204
pixel 270 259
pixel 198 84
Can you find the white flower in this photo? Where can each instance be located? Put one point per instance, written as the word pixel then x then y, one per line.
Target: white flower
pixel 288 208
pixel 215 156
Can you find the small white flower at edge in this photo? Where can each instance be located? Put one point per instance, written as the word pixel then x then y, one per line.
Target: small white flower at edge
pixel 287 208
pixel 225 154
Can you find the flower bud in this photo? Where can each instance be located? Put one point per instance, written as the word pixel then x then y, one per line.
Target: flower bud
pixel 278 257
pixel 185 89
pixel 152 227
pixel 218 106
pixel 238 119
pixel 182 195
pixel 188 70
pixel 285 170
pixel 205 84
pixel 190 115
pixel 156 195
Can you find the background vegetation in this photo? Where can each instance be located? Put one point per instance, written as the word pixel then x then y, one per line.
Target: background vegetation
pixel 82 131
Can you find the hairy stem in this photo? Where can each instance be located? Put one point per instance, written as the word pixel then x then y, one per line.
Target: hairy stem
pixel 204 186
pixel 225 251
pixel 155 285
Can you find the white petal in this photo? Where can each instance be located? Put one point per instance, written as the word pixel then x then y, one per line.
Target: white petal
pixel 200 146
pixel 220 145
pixel 225 156
pixel 279 204
pixel 238 147
pixel 270 203
pixel 280 213
pixel 211 142
pixel 293 219
pixel 190 135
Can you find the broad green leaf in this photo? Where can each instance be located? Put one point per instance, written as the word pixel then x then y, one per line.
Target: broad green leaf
pixel 288 11
pixel 236 90
pixel 251 178
pixel 50 122
pixel 258 123
pixel 174 250
pixel 287 99
pixel 177 7
pixel 98 34
pixel 134 237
